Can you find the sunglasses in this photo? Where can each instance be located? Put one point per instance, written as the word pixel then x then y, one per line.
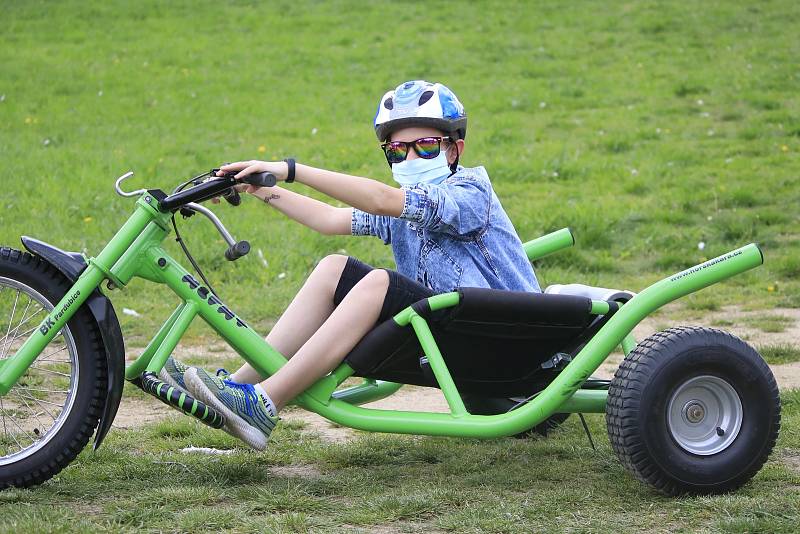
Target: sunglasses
pixel 425 147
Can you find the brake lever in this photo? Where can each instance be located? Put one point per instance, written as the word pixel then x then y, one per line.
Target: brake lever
pixel 233 197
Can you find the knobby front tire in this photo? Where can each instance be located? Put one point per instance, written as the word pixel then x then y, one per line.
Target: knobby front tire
pixel 51 412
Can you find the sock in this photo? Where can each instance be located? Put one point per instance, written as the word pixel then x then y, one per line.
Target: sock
pixel 268 404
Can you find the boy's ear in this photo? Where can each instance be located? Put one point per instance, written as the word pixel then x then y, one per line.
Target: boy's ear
pixel 451 152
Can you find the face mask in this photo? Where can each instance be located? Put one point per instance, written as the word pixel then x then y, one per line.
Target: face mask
pixel 422 171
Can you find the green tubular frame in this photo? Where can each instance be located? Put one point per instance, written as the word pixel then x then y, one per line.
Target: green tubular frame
pixel 135 251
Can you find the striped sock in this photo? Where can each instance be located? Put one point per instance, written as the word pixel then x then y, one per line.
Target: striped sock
pixel 268 404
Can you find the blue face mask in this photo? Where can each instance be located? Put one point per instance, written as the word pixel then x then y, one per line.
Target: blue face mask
pixel 422 171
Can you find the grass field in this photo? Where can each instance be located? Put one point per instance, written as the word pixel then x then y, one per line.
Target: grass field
pixel 663 133
pixel 647 127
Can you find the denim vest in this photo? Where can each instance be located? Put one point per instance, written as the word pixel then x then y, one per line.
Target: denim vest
pixel 454 234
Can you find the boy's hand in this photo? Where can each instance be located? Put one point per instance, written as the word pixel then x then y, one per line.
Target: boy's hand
pixel 242 168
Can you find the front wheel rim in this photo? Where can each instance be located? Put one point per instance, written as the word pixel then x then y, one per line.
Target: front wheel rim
pixel 704 415
pixel 25 405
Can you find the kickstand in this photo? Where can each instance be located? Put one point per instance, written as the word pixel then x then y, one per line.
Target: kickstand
pixel 586 428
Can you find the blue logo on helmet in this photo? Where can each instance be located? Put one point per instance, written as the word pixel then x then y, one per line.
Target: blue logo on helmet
pixel 451 107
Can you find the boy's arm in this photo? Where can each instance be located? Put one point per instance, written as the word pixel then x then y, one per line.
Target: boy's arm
pixel 362 193
pixel 323 218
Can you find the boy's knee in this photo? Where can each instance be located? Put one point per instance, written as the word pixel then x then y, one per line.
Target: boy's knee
pixel 331 266
pixel 376 280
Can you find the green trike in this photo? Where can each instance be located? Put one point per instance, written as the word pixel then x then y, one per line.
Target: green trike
pixel 689 410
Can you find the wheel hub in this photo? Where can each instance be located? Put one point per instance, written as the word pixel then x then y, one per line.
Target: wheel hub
pixel 694 411
pixel 704 415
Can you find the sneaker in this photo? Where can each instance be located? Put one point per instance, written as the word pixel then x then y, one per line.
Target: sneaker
pixel 172 374
pixel 246 417
pixel 173 371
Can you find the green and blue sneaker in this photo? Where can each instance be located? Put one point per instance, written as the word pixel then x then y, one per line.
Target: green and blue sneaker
pixel 172 374
pixel 173 371
pixel 246 416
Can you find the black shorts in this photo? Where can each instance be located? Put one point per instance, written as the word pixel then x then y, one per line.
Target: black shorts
pixel 402 291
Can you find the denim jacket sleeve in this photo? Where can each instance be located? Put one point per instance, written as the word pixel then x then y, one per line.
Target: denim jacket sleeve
pixel 458 206
pixel 363 223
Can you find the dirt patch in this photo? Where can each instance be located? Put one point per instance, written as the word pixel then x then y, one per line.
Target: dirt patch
pixel 791 457
pixel 135 412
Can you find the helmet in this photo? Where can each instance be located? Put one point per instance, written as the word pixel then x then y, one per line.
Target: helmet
pixel 420 103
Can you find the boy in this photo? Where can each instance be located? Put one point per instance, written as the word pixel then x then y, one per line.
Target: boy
pixel 446 227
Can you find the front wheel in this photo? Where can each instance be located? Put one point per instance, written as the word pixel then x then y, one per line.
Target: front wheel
pixel 51 412
pixel 693 410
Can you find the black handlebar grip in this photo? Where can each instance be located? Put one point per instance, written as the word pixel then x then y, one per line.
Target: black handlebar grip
pixel 261 179
pixel 233 197
pixel 237 251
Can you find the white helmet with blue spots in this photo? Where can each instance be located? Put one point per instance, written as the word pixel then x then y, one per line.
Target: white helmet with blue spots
pixel 420 103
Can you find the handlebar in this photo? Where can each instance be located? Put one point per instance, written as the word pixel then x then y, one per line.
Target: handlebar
pixel 214 188
pixel 188 200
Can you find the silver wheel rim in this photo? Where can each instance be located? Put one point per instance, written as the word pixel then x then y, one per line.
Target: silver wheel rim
pixel 37 406
pixel 704 415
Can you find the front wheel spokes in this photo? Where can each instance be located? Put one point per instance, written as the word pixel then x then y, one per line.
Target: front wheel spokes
pixel 37 405
pixel 15 335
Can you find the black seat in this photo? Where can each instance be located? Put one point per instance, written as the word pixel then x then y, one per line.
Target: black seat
pixel 494 342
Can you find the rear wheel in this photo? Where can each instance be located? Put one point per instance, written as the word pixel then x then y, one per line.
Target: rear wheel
pixel 693 410
pixel 51 412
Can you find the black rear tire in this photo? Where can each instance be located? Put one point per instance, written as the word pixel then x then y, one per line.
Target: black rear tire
pixel 45 457
pixel 670 386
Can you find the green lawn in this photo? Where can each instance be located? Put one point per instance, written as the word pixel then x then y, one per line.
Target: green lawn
pixel 664 133
pixel 648 127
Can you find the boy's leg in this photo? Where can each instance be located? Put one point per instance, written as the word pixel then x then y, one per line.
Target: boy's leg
pixel 312 305
pixel 250 412
pixel 327 347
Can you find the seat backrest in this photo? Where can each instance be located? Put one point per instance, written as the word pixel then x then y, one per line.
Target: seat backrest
pixel 516 314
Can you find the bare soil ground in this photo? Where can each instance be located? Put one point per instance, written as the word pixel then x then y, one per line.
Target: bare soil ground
pixel 136 411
